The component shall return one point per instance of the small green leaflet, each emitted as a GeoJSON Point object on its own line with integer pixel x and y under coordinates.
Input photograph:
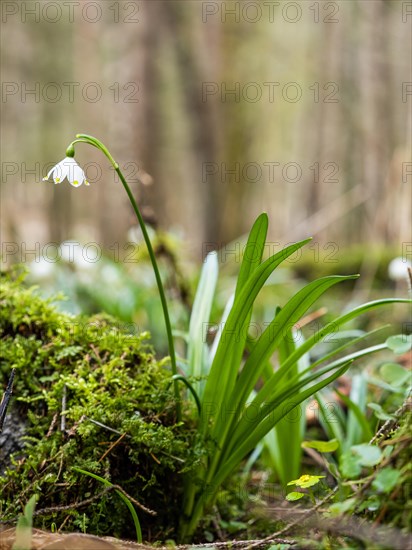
{"type": "Point", "coordinates": [322, 446]}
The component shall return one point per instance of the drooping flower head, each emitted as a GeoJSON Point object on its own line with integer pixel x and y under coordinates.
{"type": "Point", "coordinates": [67, 168]}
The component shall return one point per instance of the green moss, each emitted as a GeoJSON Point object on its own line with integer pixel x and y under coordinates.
{"type": "Point", "coordinates": [107, 376]}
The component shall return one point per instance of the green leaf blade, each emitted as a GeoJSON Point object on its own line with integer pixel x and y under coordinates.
{"type": "Point", "coordinates": [122, 496]}
{"type": "Point", "coordinates": [220, 378]}
{"type": "Point", "coordinates": [200, 315]}
{"type": "Point", "coordinates": [322, 446]}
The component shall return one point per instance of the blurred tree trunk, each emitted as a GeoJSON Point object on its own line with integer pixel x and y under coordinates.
{"type": "Point", "coordinates": [204, 124]}
{"type": "Point", "coordinates": [173, 131]}
{"type": "Point", "coordinates": [376, 131]}
{"type": "Point", "coordinates": [149, 146]}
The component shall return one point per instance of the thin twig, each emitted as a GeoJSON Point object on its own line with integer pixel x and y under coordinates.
{"type": "Point", "coordinates": [216, 523]}
{"type": "Point", "coordinates": [389, 424]}
{"type": "Point", "coordinates": [60, 468]}
{"type": "Point", "coordinates": [232, 544]}
{"type": "Point", "coordinates": [310, 318]}
{"type": "Point", "coordinates": [136, 502]}
{"type": "Point", "coordinates": [52, 509]}
{"type": "Point", "coordinates": [86, 502]}
{"type": "Point", "coordinates": [112, 446]}
{"type": "Point", "coordinates": [104, 426]}
{"type": "Point", "coordinates": [64, 406]}
{"type": "Point", "coordinates": [53, 423]}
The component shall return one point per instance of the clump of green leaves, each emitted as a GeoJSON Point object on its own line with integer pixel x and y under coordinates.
{"type": "Point", "coordinates": [95, 398]}
{"type": "Point", "coordinates": [376, 479]}
{"type": "Point", "coordinates": [235, 417]}
{"type": "Point", "coordinates": [304, 482]}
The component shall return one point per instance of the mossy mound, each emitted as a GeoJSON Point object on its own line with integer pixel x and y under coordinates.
{"type": "Point", "coordinates": [118, 421]}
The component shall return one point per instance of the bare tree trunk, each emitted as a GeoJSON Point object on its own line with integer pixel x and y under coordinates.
{"type": "Point", "coordinates": [375, 126]}
{"type": "Point", "coordinates": [203, 116]}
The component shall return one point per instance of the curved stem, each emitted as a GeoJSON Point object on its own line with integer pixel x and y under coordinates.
{"type": "Point", "coordinates": [159, 286]}
{"type": "Point", "coordinates": [84, 138]}
{"type": "Point", "coordinates": [191, 389]}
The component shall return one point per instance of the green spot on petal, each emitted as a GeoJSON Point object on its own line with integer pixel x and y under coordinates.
{"type": "Point", "coordinates": [57, 180]}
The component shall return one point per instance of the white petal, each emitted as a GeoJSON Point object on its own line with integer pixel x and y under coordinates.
{"type": "Point", "coordinates": [59, 172]}
{"type": "Point", "coordinates": [68, 167]}
{"type": "Point", "coordinates": [49, 174]}
{"type": "Point", "coordinates": [76, 176]}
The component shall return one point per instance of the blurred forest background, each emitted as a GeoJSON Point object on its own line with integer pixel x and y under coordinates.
{"type": "Point", "coordinates": [216, 111]}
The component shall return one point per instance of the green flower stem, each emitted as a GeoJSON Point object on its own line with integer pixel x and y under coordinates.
{"type": "Point", "coordinates": [160, 288]}
{"type": "Point", "coordinates": [83, 138]}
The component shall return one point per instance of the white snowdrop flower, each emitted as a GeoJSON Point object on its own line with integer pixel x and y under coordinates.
{"type": "Point", "coordinates": [67, 168]}
{"type": "Point", "coordinates": [398, 269]}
